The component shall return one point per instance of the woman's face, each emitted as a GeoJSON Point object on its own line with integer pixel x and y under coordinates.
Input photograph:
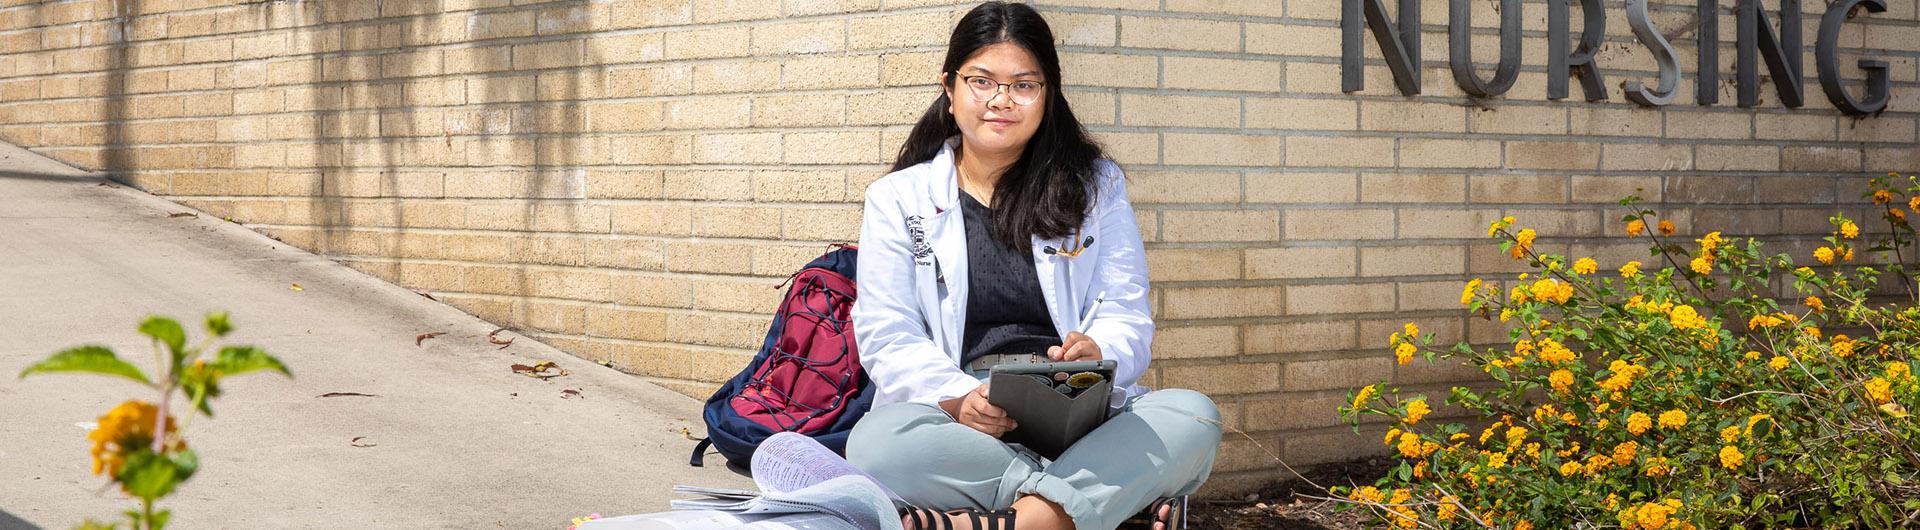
{"type": "Point", "coordinates": [1001, 123]}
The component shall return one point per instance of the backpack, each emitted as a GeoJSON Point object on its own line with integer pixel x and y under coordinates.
{"type": "Point", "coordinates": [807, 376]}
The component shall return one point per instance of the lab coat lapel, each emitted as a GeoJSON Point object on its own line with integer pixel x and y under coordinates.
{"type": "Point", "coordinates": [947, 233]}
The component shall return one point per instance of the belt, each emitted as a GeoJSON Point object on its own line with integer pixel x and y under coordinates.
{"type": "Point", "coordinates": [988, 361]}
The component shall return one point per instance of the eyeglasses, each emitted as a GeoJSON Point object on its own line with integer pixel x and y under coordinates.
{"type": "Point", "coordinates": [1023, 92]}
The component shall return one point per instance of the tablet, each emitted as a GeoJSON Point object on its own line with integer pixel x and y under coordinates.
{"type": "Point", "coordinates": [1054, 404]}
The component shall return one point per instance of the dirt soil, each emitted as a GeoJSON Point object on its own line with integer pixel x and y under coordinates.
{"type": "Point", "coordinates": [1281, 507]}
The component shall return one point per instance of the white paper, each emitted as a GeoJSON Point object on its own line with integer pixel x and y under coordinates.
{"type": "Point", "coordinates": [788, 462]}
{"type": "Point", "coordinates": [715, 520]}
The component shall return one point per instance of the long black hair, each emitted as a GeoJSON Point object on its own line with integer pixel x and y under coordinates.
{"type": "Point", "coordinates": [1046, 192]}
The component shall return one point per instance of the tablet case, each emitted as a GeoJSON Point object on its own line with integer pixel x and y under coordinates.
{"type": "Point", "coordinates": [1050, 421]}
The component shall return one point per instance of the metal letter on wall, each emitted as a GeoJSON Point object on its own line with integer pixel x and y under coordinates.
{"type": "Point", "coordinates": [1826, 53]}
{"type": "Point", "coordinates": [1663, 55]}
{"type": "Point", "coordinates": [1783, 53]}
{"type": "Point", "coordinates": [1706, 90]}
{"type": "Point", "coordinates": [1401, 48]}
{"type": "Point", "coordinates": [1460, 37]}
{"type": "Point", "coordinates": [1593, 29]}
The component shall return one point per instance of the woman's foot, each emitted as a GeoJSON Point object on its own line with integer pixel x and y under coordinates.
{"type": "Point", "coordinates": [929, 519]}
{"type": "Point", "coordinates": [1162, 520]}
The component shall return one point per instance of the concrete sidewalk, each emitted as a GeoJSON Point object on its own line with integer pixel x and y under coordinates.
{"type": "Point", "coordinates": [456, 440]}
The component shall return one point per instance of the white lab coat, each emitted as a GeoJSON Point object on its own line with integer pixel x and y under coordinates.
{"type": "Point", "coordinates": [910, 312]}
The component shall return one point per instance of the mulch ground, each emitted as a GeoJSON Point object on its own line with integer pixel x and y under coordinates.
{"type": "Point", "coordinates": [1282, 507]}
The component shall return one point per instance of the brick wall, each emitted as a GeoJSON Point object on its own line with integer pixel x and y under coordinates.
{"type": "Point", "coordinates": [628, 180]}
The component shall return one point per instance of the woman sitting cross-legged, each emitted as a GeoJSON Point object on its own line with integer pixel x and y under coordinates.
{"type": "Point", "coordinates": [1001, 234]}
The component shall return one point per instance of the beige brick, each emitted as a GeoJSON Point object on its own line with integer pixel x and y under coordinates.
{"type": "Point", "coordinates": [1605, 121]}
{"type": "Point", "coordinates": [710, 112]}
{"type": "Point", "coordinates": [1301, 187]}
{"type": "Point", "coordinates": [1083, 29]}
{"type": "Point", "coordinates": [1293, 40]}
{"type": "Point", "coordinates": [899, 31]}
{"type": "Point", "coordinates": [1441, 153]}
{"type": "Point", "coordinates": [1222, 149]}
{"type": "Point", "coordinates": [1221, 74]}
{"type": "Point", "coordinates": [1647, 157]}
{"type": "Point", "coordinates": [1412, 116]}
{"type": "Point", "coordinates": [799, 186]}
{"type": "Point", "coordinates": [1179, 34]}
{"type": "Point", "coordinates": [736, 222]}
{"type": "Point", "coordinates": [1093, 69]}
{"type": "Point", "coordinates": [1294, 412]}
{"type": "Point", "coordinates": [651, 81]}
{"type": "Point", "coordinates": [650, 13]}
{"type": "Point", "coordinates": [923, 68]}
{"type": "Point", "coordinates": [1797, 127]}
{"type": "Point", "coordinates": [844, 147]}
{"type": "Point", "coordinates": [1815, 158]}
{"type": "Point", "coordinates": [1255, 8]}
{"type": "Point", "coordinates": [1339, 298]}
{"type": "Point", "coordinates": [708, 43]}
{"type": "Point", "coordinates": [1220, 225]}
{"type": "Point", "coordinates": [745, 148]}
{"type": "Point", "coordinates": [1325, 151]}
{"type": "Point", "coordinates": [1412, 260]}
{"type": "Point", "coordinates": [1498, 189]}
{"type": "Point", "coordinates": [1171, 187]}
{"type": "Point", "coordinates": [805, 110]}
{"type": "Point", "coordinates": [1298, 337]}
{"type": "Point", "coordinates": [1612, 188]}
{"type": "Point", "coordinates": [1518, 119]}
{"type": "Point", "coordinates": [652, 291]}
{"type": "Point", "coordinates": [1337, 373]}
{"type": "Point", "coordinates": [1221, 302]}
{"type": "Point", "coordinates": [730, 10]}
{"type": "Point", "coordinates": [1728, 125]}
{"type": "Point", "coordinates": [709, 185]}
{"type": "Point", "coordinates": [1301, 114]}
{"type": "Point", "coordinates": [1219, 379]}
{"type": "Point", "coordinates": [657, 220]}
{"type": "Point", "coordinates": [1553, 155]}
{"type": "Point", "coordinates": [1187, 342]}
{"type": "Point", "coordinates": [1300, 262]}
{"type": "Point", "coordinates": [800, 37]}
{"type": "Point", "coordinates": [1179, 111]}
{"type": "Point", "coordinates": [1305, 224]}
{"type": "Point", "coordinates": [830, 72]}
{"type": "Point", "coordinates": [718, 258]}
{"type": "Point", "coordinates": [1193, 264]}
{"type": "Point", "coordinates": [1412, 187]}
{"type": "Point", "coordinates": [1736, 157]}
{"type": "Point", "coordinates": [838, 224]}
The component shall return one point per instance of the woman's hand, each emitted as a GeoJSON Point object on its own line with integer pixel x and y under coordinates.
{"type": "Point", "coordinates": [974, 411]}
{"type": "Point", "coordinates": [1077, 347]}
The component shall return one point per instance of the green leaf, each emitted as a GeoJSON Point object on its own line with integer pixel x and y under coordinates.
{"type": "Point", "coordinates": [165, 330]}
{"type": "Point", "coordinates": [218, 324]}
{"type": "Point", "coordinates": [160, 519]}
{"type": "Point", "coordinates": [151, 476]}
{"type": "Point", "coordinates": [236, 360]}
{"type": "Point", "coordinates": [95, 359]}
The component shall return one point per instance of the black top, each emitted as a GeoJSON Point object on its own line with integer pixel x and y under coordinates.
{"type": "Point", "coordinates": [1006, 313]}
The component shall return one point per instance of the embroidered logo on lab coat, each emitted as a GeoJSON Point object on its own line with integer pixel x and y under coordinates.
{"type": "Point", "coordinates": [919, 237]}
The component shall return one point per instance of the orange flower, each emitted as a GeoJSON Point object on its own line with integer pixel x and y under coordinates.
{"type": "Point", "coordinates": [1666, 228]}
{"type": "Point", "coordinates": [1636, 227]}
{"type": "Point", "coordinates": [122, 430]}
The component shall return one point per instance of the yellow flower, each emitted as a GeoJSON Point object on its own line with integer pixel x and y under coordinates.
{"type": "Point", "coordinates": [1673, 419]}
{"type": "Point", "coordinates": [1585, 266]}
{"type": "Point", "coordinates": [1623, 453]}
{"type": "Point", "coordinates": [1393, 435]}
{"type": "Point", "coordinates": [1764, 321]}
{"type": "Point", "coordinates": [1848, 256]}
{"type": "Point", "coordinates": [1552, 352]}
{"type": "Point", "coordinates": [1879, 390]}
{"type": "Point", "coordinates": [122, 430]}
{"type": "Point", "coordinates": [1631, 269]}
{"type": "Point", "coordinates": [1730, 457]}
{"type": "Point", "coordinates": [1779, 362]}
{"type": "Point", "coordinates": [1404, 352]}
{"type": "Point", "coordinates": [1813, 302]}
{"type": "Point", "coordinates": [1666, 228]}
{"type": "Point", "coordinates": [1569, 469]}
{"type": "Point", "coordinates": [1417, 409]}
{"type": "Point", "coordinates": [1882, 197]}
{"type": "Point", "coordinates": [1842, 346]}
{"type": "Point", "coordinates": [1413, 331]}
{"type": "Point", "coordinates": [1523, 242]}
{"type": "Point", "coordinates": [1684, 317]}
{"type": "Point", "coordinates": [1849, 230]}
{"type": "Point", "coordinates": [1366, 393]}
{"type": "Point", "coordinates": [1914, 203]}
{"type": "Point", "coordinates": [1523, 525]}
{"type": "Point", "coordinates": [1898, 371]}
{"type": "Point", "coordinates": [1824, 254]}
{"type": "Point", "coordinates": [1729, 434]}
{"type": "Point", "coordinates": [1497, 225]}
{"type": "Point", "coordinates": [1409, 445]}
{"type": "Point", "coordinates": [1561, 379]}
{"type": "Point", "coordinates": [1657, 466]}
{"type": "Point", "coordinates": [1366, 494]}
{"type": "Point", "coordinates": [1466, 295]}
{"type": "Point", "coordinates": [1702, 265]}
{"type": "Point", "coordinates": [1638, 423]}
{"type": "Point", "coordinates": [1636, 227]}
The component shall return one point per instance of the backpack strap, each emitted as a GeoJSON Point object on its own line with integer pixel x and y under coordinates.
{"type": "Point", "coordinates": [700, 452]}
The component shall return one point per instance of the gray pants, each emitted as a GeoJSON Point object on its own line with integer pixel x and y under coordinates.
{"type": "Point", "coordinates": [1153, 447]}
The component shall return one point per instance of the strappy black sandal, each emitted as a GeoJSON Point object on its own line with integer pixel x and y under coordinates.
{"type": "Point", "coordinates": [930, 519]}
{"type": "Point", "coordinates": [1176, 516]}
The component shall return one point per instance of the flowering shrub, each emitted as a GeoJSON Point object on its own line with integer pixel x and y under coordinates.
{"type": "Point", "coordinates": [1713, 386]}
{"type": "Point", "coordinates": [138, 444]}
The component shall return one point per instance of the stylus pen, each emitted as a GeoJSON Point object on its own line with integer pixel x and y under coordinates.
{"type": "Point", "coordinates": [1088, 319]}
